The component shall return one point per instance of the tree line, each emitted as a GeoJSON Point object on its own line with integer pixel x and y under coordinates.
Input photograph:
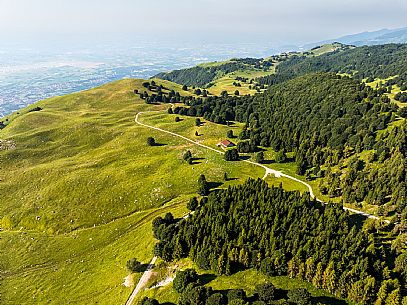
{"type": "Point", "coordinates": [286, 233]}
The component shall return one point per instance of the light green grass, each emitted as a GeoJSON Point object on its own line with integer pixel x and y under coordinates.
{"type": "Point", "coordinates": [225, 83]}
{"type": "Point", "coordinates": [83, 161]}
{"type": "Point", "coordinates": [86, 266]}
{"type": "Point", "coordinates": [74, 190]}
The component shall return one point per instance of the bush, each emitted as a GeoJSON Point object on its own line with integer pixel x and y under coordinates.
{"type": "Point", "coordinates": [187, 155]}
{"type": "Point", "coordinates": [148, 301]}
{"type": "Point", "coordinates": [299, 296]}
{"type": "Point", "coordinates": [177, 119]}
{"type": "Point", "coordinates": [203, 186]}
{"type": "Point", "coordinates": [133, 265]}
{"type": "Point", "coordinates": [150, 141]}
{"type": "Point", "coordinates": [184, 278]}
{"type": "Point", "coordinates": [192, 204]}
{"type": "Point", "coordinates": [234, 294]}
{"type": "Point", "coordinates": [231, 155]}
{"type": "Point", "coordinates": [281, 157]}
{"type": "Point", "coordinates": [265, 292]}
{"type": "Point", "coordinates": [260, 157]}
{"type": "Point", "coordinates": [216, 299]}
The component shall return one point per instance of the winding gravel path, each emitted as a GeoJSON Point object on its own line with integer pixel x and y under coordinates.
{"type": "Point", "coordinates": [269, 171]}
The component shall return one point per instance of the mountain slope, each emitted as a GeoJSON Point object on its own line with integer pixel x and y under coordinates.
{"type": "Point", "coordinates": [383, 36]}
{"type": "Point", "coordinates": [238, 74]}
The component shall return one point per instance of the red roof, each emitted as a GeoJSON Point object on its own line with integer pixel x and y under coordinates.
{"type": "Point", "coordinates": [226, 143]}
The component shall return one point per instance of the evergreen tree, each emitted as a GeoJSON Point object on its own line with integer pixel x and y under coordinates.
{"type": "Point", "coordinates": [203, 186]}
{"type": "Point", "coordinates": [151, 141]}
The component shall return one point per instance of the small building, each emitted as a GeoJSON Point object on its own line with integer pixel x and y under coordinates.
{"type": "Point", "coordinates": [225, 144]}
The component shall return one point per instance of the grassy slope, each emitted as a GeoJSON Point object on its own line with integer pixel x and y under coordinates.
{"type": "Point", "coordinates": [83, 161]}
{"type": "Point", "coordinates": [86, 266]}
{"type": "Point", "coordinates": [210, 134]}
{"type": "Point", "coordinates": [83, 167]}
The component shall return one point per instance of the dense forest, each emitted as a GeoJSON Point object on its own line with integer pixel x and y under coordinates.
{"type": "Point", "coordinates": [286, 233]}
{"type": "Point", "coordinates": [382, 61]}
{"type": "Point", "coordinates": [329, 122]}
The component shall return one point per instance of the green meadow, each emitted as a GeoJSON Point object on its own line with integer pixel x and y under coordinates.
{"type": "Point", "coordinates": [80, 189]}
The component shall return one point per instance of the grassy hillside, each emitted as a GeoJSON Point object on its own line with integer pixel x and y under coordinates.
{"type": "Point", "coordinates": [87, 266]}
{"type": "Point", "coordinates": [83, 161]}
{"type": "Point", "coordinates": [80, 187]}
{"type": "Point", "coordinates": [227, 75]}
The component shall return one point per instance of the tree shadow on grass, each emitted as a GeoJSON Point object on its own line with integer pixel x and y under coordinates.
{"type": "Point", "coordinates": [214, 185]}
{"type": "Point", "coordinates": [268, 162]}
{"type": "Point", "coordinates": [142, 267]}
{"type": "Point", "coordinates": [167, 303]}
{"type": "Point", "coordinates": [328, 300]}
{"type": "Point", "coordinates": [232, 179]}
{"type": "Point", "coordinates": [244, 157]}
{"type": "Point", "coordinates": [206, 278]}
{"type": "Point", "coordinates": [160, 144]}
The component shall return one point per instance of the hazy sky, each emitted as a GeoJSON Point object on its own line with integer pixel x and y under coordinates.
{"type": "Point", "coordinates": [278, 22]}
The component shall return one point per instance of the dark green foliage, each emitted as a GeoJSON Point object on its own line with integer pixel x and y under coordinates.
{"type": "Point", "coordinates": [325, 119]}
{"type": "Point", "coordinates": [150, 141]}
{"type": "Point", "coordinates": [198, 91]}
{"type": "Point", "coordinates": [225, 177]}
{"type": "Point", "coordinates": [380, 61]}
{"type": "Point", "coordinates": [133, 265]}
{"type": "Point", "coordinates": [246, 146]}
{"type": "Point", "coordinates": [185, 88]}
{"type": "Point", "coordinates": [216, 299]}
{"type": "Point", "coordinates": [187, 155]}
{"type": "Point", "coordinates": [299, 296]}
{"type": "Point", "coordinates": [177, 119]}
{"type": "Point", "coordinates": [231, 155]}
{"type": "Point", "coordinates": [265, 292]}
{"type": "Point", "coordinates": [234, 294]}
{"type": "Point", "coordinates": [237, 93]}
{"type": "Point", "coordinates": [148, 301]}
{"type": "Point", "coordinates": [253, 225]}
{"type": "Point", "coordinates": [203, 186]}
{"type": "Point", "coordinates": [260, 157]}
{"type": "Point", "coordinates": [200, 76]}
{"type": "Point", "coordinates": [229, 134]}
{"type": "Point", "coordinates": [184, 278]}
{"type": "Point", "coordinates": [401, 97]}
{"type": "Point", "coordinates": [281, 156]}
{"type": "Point", "coordinates": [192, 204]}
{"type": "Point", "coordinates": [170, 110]}
{"type": "Point", "coordinates": [198, 122]}
{"type": "Point", "coordinates": [194, 295]}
